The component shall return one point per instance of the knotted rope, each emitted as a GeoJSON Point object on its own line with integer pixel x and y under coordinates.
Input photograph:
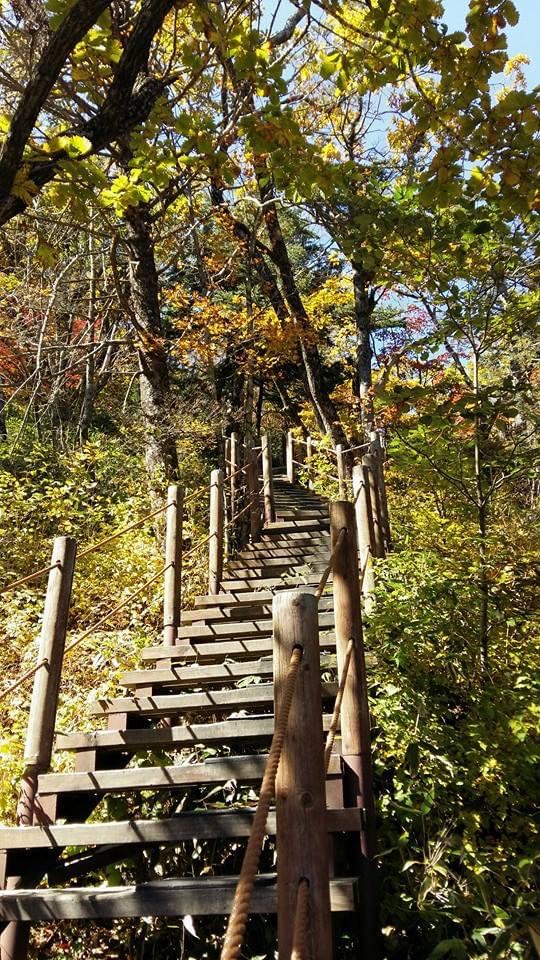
{"type": "Point", "coordinates": [240, 909]}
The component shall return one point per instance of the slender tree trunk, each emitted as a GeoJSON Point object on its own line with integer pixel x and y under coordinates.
{"type": "Point", "coordinates": [483, 581]}
{"type": "Point", "coordinates": [324, 407]}
{"type": "Point", "coordinates": [87, 407]}
{"type": "Point", "coordinates": [156, 403]}
{"type": "Point", "coordinates": [364, 305]}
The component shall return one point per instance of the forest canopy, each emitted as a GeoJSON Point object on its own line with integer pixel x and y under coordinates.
{"type": "Point", "coordinates": [228, 216]}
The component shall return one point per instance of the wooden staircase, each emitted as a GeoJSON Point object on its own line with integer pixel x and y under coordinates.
{"type": "Point", "coordinates": [209, 693]}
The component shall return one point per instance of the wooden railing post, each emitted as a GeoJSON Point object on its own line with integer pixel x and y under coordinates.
{"type": "Point", "coordinates": [309, 455]}
{"type": "Point", "coordinates": [355, 719]}
{"type": "Point", "coordinates": [42, 718]}
{"type": "Point", "coordinates": [234, 476]}
{"type": "Point", "coordinates": [369, 461]}
{"type": "Point", "coordinates": [364, 525]}
{"type": "Point", "coordinates": [268, 484]}
{"type": "Point", "coordinates": [255, 519]}
{"type": "Point", "coordinates": [341, 472]}
{"type": "Point", "coordinates": [215, 546]}
{"type": "Point", "coordinates": [302, 845]}
{"type": "Point", "coordinates": [289, 455]}
{"type": "Point", "coordinates": [172, 587]}
{"type": "Point", "coordinates": [377, 452]}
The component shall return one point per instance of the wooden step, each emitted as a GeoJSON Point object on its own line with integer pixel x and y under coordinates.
{"type": "Point", "coordinates": [236, 629]}
{"type": "Point", "coordinates": [243, 610]}
{"type": "Point", "coordinates": [215, 651]}
{"type": "Point", "coordinates": [301, 513]}
{"type": "Point", "coordinates": [293, 551]}
{"type": "Point", "coordinates": [296, 526]}
{"type": "Point", "coordinates": [256, 696]}
{"type": "Point", "coordinates": [293, 540]}
{"type": "Point", "coordinates": [284, 563]}
{"type": "Point", "coordinates": [223, 732]}
{"type": "Point", "coordinates": [193, 676]}
{"type": "Point", "coordinates": [204, 825]}
{"type": "Point", "coordinates": [160, 898]}
{"type": "Point", "coordinates": [243, 770]}
{"type": "Point", "coordinates": [288, 583]}
{"type": "Point", "coordinates": [241, 597]}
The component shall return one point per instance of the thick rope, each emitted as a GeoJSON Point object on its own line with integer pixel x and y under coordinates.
{"type": "Point", "coordinates": [328, 568]}
{"type": "Point", "coordinates": [237, 516]}
{"type": "Point", "coordinates": [238, 470]}
{"type": "Point", "coordinates": [119, 606]}
{"type": "Point", "coordinates": [43, 663]}
{"type": "Point", "coordinates": [119, 533]}
{"type": "Point", "coordinates": [334, 723]}
{"type": "Point", "coordinates": [240, 909]}
{"type": "Point", "coordinates": [31, 576]}
{"type": "Point", "coordinates": [197, 546]}
{"type": "Point", "coordinates": [300, 947]}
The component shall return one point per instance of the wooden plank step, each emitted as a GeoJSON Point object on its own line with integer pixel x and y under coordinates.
{"type": "Point", "coordinates": [268, 563]}
{"type": "Point", "coordinates": [299, 526]}
{"type": "Point", "coordinates": [223, 732]}
{"type": "Point", "coordinates": [293, 539]}
{"type": "Point", "coordinates": [233, 598]}
{"type": "Point", "coordinates": [284, 570]}
{"type": "Point", "coordinates": [244, 770]}
{"type": "Point", "coordinates": [288, 583]}
{"type": "Point", "coordinates": [193, 676]}
{"type": "Point", "coordinates": [218, 651]}
{"type": "Point", "coordinates": [302, 513]}
{"type": "Point", "coordinates": [293, 549]}
{"type": "Point", "coordinates": [237, 629]}
{"type": "Point", "coordinates": [203, 825]}
{"type": "Point", "coordinates": [255, 696]}
{"type": "Point", "coordinates": [283, 553]}
{"type": "Point", "coordinates": [209, 896]}
{"type": "Point", "coordinates": [242, 610]}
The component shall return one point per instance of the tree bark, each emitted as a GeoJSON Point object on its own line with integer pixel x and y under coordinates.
{"type": "Point", "coordinates": [324, 407]}
{"type": "Point", "coordinates": [364, 304]}
{"type": "Point", "coordinates": [156, 405]}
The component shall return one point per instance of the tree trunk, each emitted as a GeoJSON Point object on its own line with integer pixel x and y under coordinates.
{"type": "Point", "coordinates": [364, 305]}
{"type": "Point", "coordinates": [324, 407]}
{"type": "Point", "coordinates": [482, 508]}
{"type": "Point", "coordinates": [156, 404]}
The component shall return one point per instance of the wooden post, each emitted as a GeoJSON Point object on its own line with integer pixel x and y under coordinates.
{"type": "Point", "coordinates": [309, 454]}
{"type": "Point", "coordinates": [377, 451]}
{"type": "Point", "coordinates": [255, 519]}
{"type": "Point", "coordinates": [234, 477]}
{"type": "Point", "coordinates": [289, 452]}
{"type": "Point", "coordinates": [355, 719]}
{"type": "Point", "coordinates": [341, 471]}
{"type": "Point", "coordinates": [302, 844]}
{"type": "Point", "coordinates": [172, 587]}
{"type": "Point", "coordinates": [364, 526]}
{"type": "Point", "coordinates": [215, 546]}
{"type": "Point", "coordinates": [268, 484]}
{"type": "Point", "coordinates": [369, 461]}
{"type": "Point", "coordinates": [42, 718]}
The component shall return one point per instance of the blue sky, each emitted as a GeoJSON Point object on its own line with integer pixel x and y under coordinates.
{"type": "Point", "coordinates": [523, 38]}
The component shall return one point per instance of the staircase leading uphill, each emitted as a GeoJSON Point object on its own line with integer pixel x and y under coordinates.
{"type": "Point", "coordinates": [209, 695]}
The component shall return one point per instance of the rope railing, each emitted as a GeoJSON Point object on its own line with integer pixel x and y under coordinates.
{"type": "Point", "coordinates": [237, 516]}
{"type": "Point", "coordinates": [329, 565]}
{"type": "Point", "coordinates": [100, 543]}
{"type": "Point", "coordinates": [236, 925]}
{"type": "Point", "coordinates": [334, 723]}
{"type": "Point", "coordinates": [300, 949]}
{"type": "Point", "coordinates": [28, 577]}
{"type": "Point", "coordinates": [44, 662]}
{"type": "Point", "coordinates": [122, 531]}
